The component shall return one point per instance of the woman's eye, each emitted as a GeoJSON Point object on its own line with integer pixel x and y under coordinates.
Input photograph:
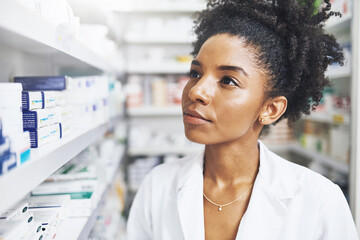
{"type": "Point", "coordinates": [228, 81]}
{"type": "Point", "coordinates": [194, 74]}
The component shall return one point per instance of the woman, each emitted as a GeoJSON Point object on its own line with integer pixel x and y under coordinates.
{"type": "Point", "coordinates": [256, 62]}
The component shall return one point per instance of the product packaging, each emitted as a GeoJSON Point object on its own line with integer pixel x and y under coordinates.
{"type": "Point", "coordinates": [14, 213]}
{"type": "Point", "coordinates": [38, 118]}
{"type": "Point", "coordinates": [43, 83]}
{"type": "Point", "coordinates": [32, 100]}
{"type": "Point", "coordinates": [44, 135]}
{"type": "Point", "coordinates": [16, 229]}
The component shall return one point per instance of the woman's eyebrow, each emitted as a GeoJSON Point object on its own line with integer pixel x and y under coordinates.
{"type": "Point", "coordinates": [233, 68]}
{"type": "Point", "coordinates": [196, 62]}
{"type": "Point", "coordinates": [224, 67]}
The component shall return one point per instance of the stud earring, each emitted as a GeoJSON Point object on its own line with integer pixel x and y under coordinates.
{"type": "Point", "coordinates": [262, 120]}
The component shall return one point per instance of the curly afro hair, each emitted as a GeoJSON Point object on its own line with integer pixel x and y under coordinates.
{"type": "Point", "coordinates": [289, 40]}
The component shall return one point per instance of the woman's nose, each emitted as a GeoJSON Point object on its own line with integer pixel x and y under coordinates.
{"type": "Point", "coordinates": [200, 92]}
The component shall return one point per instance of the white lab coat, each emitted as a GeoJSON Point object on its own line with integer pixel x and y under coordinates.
{"type": "Point", "coordinates": [288, 202]}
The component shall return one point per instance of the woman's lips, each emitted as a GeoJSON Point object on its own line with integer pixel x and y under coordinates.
{"type": "Point", "coordinates": [194, 117]}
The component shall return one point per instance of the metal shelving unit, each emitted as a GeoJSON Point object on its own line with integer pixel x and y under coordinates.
{"type": "Point", "coordinates": [26, 33]}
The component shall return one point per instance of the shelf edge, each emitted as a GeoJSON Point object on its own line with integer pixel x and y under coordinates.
{"type": "Point", "coordinates": [37, 170]}
{"type": "Point", "coordinates": [322, 159]}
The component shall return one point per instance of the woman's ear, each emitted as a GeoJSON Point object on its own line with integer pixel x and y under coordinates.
{"type": "Point", "coordinates": [273, 109]}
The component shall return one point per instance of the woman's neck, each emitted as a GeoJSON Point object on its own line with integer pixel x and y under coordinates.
{"type": "Point", "coordinates": [231, 163]}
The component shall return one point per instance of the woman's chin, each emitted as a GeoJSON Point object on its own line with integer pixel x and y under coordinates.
{"type": "Point", "coordinates": [197, 138]}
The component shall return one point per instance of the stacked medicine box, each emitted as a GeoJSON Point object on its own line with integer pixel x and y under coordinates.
{"type": "Point", "coordinates": [53, 106]}
{"type": "Point", "coordinates": [41, 108]}
{"type": "Point", "coordinates": [88, 96]}
{"type": "Point", "coordinates": [33, 218]}
{"type": "Point", "coordinates": [14, 142]}
{"type": "Point", "coordinates": [18, 223]}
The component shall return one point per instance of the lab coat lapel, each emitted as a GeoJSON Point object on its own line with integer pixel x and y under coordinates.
{"type": "Point", "coordinates": [264, 216]}
{"type": "Point", "coordinates": [273, 191]}
{"type": "Point", "coordinates": [190, 199]}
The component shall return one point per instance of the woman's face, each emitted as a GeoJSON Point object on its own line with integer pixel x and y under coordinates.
{"type": "Point", "coordinates": [223, 98]}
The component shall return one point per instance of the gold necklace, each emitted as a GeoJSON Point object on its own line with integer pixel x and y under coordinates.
{"type": "Point", "coordinates": [227, 204]}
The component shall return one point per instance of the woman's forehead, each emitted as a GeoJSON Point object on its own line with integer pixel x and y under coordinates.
{"type": "Point", "coordinates": [226, 49]}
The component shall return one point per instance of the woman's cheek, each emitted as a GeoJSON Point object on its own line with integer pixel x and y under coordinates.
{"type": "Point", "coordinates": [185, 93]}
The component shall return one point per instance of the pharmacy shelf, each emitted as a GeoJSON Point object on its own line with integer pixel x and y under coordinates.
{"type": "Point", "coordinates": [328, 161]}
{"type": "Point", "coordinates": [154, 111]}
{"type": "Point", "coordinates": [155, 151]}
{"type": "Point", "coordinates": [333, 74]}
{"type": "Point", "coordinates": [278, 148]}
{"type": "Point", "coordinates": [161, 8]}
{"type": "Point", "coordinates": [34, 34]}
{"type": "Point", "coordinates": [79, 228]}
{"type": "Point", "coordinates": [71, 228]}
{"type": "Point", "coordinates": [336, 24]}
{"type": "Point", "coordinates": [44, 161]}
{"type": "Point", "coordinates": [114, 166]}
{"type": "Point", "coordinates": [342, 119]}
{"type": "Point", "coordinates": [158, 68]}
{"type": "Point", "coordinates": [89, 224]}
{"type": "Point", "coordinates": [138, 39]}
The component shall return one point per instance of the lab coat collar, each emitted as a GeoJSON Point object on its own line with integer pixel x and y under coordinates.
{"type": "Point", "coordinates": [273, 190]}
{"type": "Point", "coordinates": [276, 175]}
{"type": "Point", "coordinates": [190, 198]}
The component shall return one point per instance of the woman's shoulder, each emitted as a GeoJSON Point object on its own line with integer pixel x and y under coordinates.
{"type": "Point", "coordinates": [309, 198]}
{"type": "Point", "coordinates": [307, 180]}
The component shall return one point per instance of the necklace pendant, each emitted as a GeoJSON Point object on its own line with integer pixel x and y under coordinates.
{"type": "Point", "coordinates": [220, 208]}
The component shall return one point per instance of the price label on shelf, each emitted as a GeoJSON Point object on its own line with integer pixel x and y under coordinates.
{"type": "Point", "coordinates": [338, 118]}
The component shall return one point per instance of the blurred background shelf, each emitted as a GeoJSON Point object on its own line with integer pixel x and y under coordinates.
{"type": "Point", "coordinates": [156, 151]}
{"type": "Point", "coordinates": [158, 68]}
{"type": "Point", "coordinates": [337, 24]}
{"type": "Point", "coordinates": [339, 74]}
{"type": "Point", "coordinates": [328, 161]}
{"type": "Point", "coordinates": [343, 119]}
{"type": "Point", "coordinates": [138, 39]}
{"type": "Point", "coordinates": [154, 111]}
{"type": "Point", "coordinates": [161, 8]}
